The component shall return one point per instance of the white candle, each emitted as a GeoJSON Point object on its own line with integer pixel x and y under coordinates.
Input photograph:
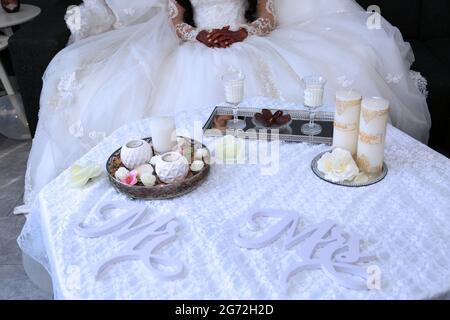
{"type": "Point", "coordinates": [372, 134]}
{"type": "Point", "coordinates": [163, 134]}
{"type": "Point", "coordinates": [346, 120]}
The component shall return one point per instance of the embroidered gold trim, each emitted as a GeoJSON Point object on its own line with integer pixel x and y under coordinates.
{"type": "Point", "coordinates": [364, 165]}
{"type": "Point", "coordinates": [343, 106]}
{"type": "Point", "coordinates": [369, 115]}
{"type": "Point", "coordinates": [345, 126]}
{"type": "Point", "coordinates": [370, 138]}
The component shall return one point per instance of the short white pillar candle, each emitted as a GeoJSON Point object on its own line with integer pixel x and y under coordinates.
{"type": "Point", "coordinates": [163, 134]}
{"type": "Point", "coordinates": [346, 120]}
{"type": "Point", "coordinates": [372, 134]}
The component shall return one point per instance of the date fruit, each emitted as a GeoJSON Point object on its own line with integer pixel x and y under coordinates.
{"type": "Point", "coordinates": [267, 119]}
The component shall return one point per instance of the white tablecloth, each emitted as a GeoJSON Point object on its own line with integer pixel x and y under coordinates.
{"type": "Point", "coordinates": [406, 217]}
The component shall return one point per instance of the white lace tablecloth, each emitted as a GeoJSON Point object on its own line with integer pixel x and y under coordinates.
{"type": "Point", "coordinates": [406, 216]}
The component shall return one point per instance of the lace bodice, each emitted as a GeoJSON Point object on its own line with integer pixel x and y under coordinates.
{"type": "Point", "coordinates": [210, 14]}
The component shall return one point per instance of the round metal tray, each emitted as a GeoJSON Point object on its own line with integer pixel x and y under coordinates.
{"type": "Point", "coordinates": [161, 190]}
{"type": "Point", "coordinates": [373, 179]}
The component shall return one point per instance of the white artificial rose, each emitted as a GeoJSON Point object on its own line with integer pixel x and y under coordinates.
{"type": "Point", "coordinates": [121, 173]}
{"type": "Point", "coordinates": [338, 166]}
{"type": "Point", "coordinates": [80, 175]}
{"type": "Point", "coordinates": [149, 180]}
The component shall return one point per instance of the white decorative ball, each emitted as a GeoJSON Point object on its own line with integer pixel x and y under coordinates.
{"type": "Point", "coordinates": [149, 180]}
{"type": "Point", "coordinates": [155, 160]}
{"type": "Point", "coordinates": [145, 169]}
{"type": "Point", "coordinates": [121, 173]}
{"type": "Point", "coordinates": [135, 153]}
{"type": "Point", "coordinates": [197, 166]}
{"type": "Point", "coordinates": [172, 167]}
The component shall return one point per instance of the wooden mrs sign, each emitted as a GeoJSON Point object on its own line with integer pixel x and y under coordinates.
{"type": "Point", "coordinates": [323, 246]}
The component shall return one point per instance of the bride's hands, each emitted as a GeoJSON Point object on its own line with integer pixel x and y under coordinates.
{"type": "Point", "coordinates": [221, 38]}
{"type": "Point", "coordinates": [203, 37]}
{"type": "Point", "coordinates": [224, 38]}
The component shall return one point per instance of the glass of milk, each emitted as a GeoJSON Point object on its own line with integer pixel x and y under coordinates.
{"type": "Point", "coordinates": [314, 90]}
{"type": "Point", "coordinates": [234, 94]}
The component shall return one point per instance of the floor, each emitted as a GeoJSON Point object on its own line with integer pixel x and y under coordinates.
{"type": "Point", "coordinates": [14, 283]}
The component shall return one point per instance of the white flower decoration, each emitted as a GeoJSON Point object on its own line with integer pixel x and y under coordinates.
{"type": "Point", "coordinates": [76, 129]}
{"type": "Point", "coordinates": [121, 173]}
{"type": "Point", "coordinates": [338, 166]}
{"type": "Point", "coordinates": [149, 180]}
{"type": "Point", "coordinates": [197, 165]}
{"type": "Point", "coordinates": [80, 175]}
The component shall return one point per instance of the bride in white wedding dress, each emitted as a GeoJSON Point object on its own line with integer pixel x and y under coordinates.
{"type": "Point", "coordinates": [162, 62]}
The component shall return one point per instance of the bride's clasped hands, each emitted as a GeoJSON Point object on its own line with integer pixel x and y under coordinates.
{"type": "Point", "coordinates": [222, 38]}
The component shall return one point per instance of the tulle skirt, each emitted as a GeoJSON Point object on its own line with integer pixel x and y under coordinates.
{"type": "Point", "coordinates": [98, 84]}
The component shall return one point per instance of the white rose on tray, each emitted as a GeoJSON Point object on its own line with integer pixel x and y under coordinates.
{"type": "Point", "coordinates": [338, 166]}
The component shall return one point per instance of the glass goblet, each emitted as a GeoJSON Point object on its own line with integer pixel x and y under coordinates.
{"type": "Point", "coordinates": [314, 91]}
{"type": "Point", "coordinates": [234, 94]}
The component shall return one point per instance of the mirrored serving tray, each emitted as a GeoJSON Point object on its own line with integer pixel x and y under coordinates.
{"type": "Point", "coordinates": [216, 126]}
{"type": "Point", "coordinates": [372, 179]}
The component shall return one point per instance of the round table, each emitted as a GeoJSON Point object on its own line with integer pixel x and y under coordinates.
{"type": "Point", "coordinates": [404, 219]}
{"type": "Point", "coordinates": [13, 122]}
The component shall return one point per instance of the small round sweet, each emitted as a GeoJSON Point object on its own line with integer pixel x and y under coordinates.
{"type": "Point", "coordinates": [201, 154]}
{"type": "Point", "coordinates": [145, 169]}
{"type": "Point", "coordinates": [197, 166]}
{"type": "Point", "coordinates": [121, 173]}
{"type": "Point", "coordinates": [154, 160]}
{"type": "Point", "coordinates": [149, 180]}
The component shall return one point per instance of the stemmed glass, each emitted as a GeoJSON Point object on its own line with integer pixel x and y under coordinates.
{"type": "Point", "coordinates": [234, 94]}
{"type": "Point", "coordinates": [314, 91]}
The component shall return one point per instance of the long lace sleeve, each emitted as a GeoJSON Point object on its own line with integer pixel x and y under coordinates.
{"type": "Point", "coordinates": [184, 31]}
{"type": "Point", "coordinates": [266, 21]}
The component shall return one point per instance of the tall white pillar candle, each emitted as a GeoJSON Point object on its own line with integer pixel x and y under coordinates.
{"type": "Point", "coordinates": [346, 120]}
{"type": "Point", "coordinates": [163, 134]}
{"type": "Point", "coordinates": [372, 134]}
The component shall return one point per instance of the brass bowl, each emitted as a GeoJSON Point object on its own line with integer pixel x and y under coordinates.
{"type": "Point", "coordinates": [161, 190]}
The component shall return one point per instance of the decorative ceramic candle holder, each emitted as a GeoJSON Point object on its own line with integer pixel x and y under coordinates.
{"type": "Point", "coordinates": [372, 135]}
{"type": "Point", "coordinates": [346, 120]}
{"type": "Point", "coordinates": [172, 167]}
{"type": "Point", "coordinates": [136, 153]}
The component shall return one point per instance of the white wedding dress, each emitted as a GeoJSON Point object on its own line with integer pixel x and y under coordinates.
{"type": "Point", "coordinates": [142, 69]}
